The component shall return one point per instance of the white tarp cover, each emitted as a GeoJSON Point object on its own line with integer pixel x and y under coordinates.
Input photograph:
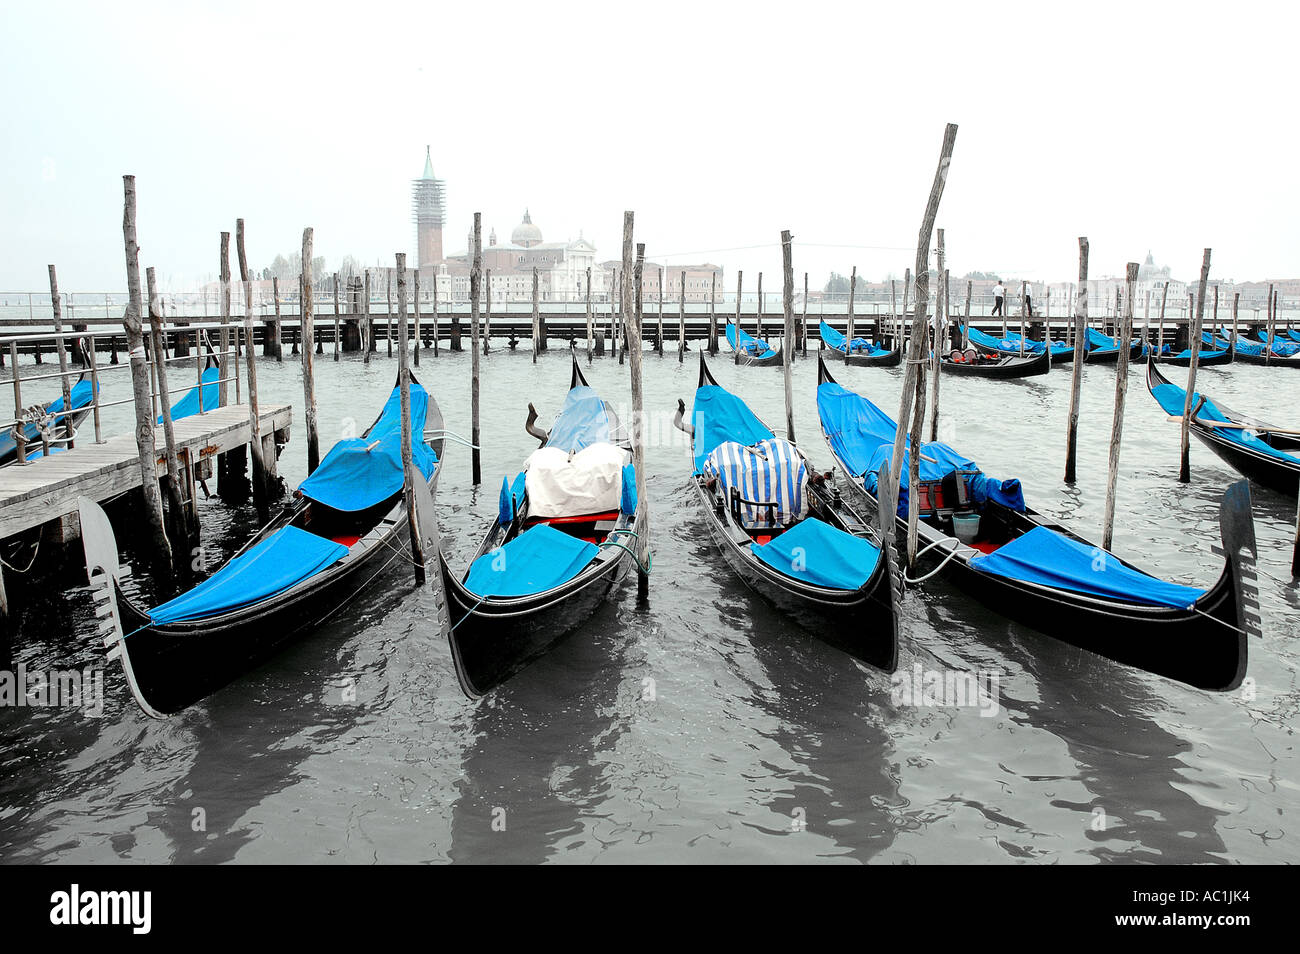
{"type": "Point", "coordinates": [564, 485]}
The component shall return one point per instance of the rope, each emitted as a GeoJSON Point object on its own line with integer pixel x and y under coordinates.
{"type": "Point", "coordinates": [942, 563]}
{"type": "Point", "coordinates": [468, 613]}
{"type": "Point", "coordinates": [35, 550]}
{"type": "Point", "coordinates": [1235, 629]}
{"type": "Point", "coordinates": [649, 563]}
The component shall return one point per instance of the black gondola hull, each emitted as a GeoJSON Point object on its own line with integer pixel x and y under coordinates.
{"type": "Point", "coordinates": [1008, 366]}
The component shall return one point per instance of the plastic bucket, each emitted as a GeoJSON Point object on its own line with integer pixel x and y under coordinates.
{"type": "Point", "coordinates": [966, 526]}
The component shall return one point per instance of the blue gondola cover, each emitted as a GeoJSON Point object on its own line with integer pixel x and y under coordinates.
{"type": "Point", "coordinates": [718, 416]}
{"type": "Point", "coordinates": [861, 346]}
{"type": "Point", "coordinates": [281, 561]}
{"type": "Point", "coordinates": [189, 404]}
{"type": "Point", "coordinates": [582, 421]}
{"type": "Point", "coordinates": [1052, 559]}
{"type": "Point", "coordinates": [817, 553]}
{"type": "Point", "coordinates": [862, 436]}
{"type": "Point", "coordinates": [749, 345]}
{"type": "Point", "coordinates": [539, 559]}
{"type": "Point", "coordinates": [1172, 398]}
{"type": "Point", "coordinates": [354, 475]}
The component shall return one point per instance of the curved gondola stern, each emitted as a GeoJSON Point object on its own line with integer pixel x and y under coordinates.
{"type": "Point", "coordinates": [104, 572]}
{"type": "Point", "coordinates": [1237, 534]}
{"type": "Point", "coordinates": [576, 380]}
{"type": "Point", "coordinates": [823, 373]}
{"type": "Point", "coordinates": [706, 376]}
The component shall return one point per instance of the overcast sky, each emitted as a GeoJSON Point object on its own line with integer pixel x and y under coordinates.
{"type": "Point", "coordinates": [1156, 126]}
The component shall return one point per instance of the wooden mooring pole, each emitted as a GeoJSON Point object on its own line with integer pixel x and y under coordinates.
{"type": "Point", "coordinates": [1125, 332]}
{"type": "Point", "coordinates": [408, 463]}
{"type": "Point", "coordinates": [366, 329]}
{"type": "Point", "coordinates": [803, 319]}
{"type": "Point", "coordinates": [177, 486]}
{"type": "Point", "coordinates": [65, 382]}
{"type": "Point", "coordinates": [308, 351]}
{"type": "Point", "coordinates": [713, 314]}
{"type": "Point", "coordinates": [1189, 406]}
{"type": "Point", "coordinates": [144, 426]}
{"type": "Point", "coordinates": [537, 321]}
{"type": "Point", "coordinates": [1076, 370]}
{"type": "Point", "coordinates": [681, 319]}
{"type": "Point", "coordinates": [937, 344]}
{"type": "Point", "coordinates": [853, 288]}
{"type": "Point", "coordinates": [338, 324]}
{"type": "Point", "coordinates": [740, 284]}
{"type": "Point", "coordinates": [474, 282]}
{"type": "Point", "coordinates": [787, 304]}
{"type": "Point", "coordinates": [260, 488]}
{"type": "Point", "coordinates": [914, 377]}
{"type": "Point", "coordinates": [591, 329]}
{"type": "Point", "coordinates": [632, 309]}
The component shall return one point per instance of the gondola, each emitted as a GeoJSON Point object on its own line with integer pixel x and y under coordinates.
{"type": "Point", "coordinates": [81, 394]}
{"type": "Point", "coordinates": [785, 530]}
{"type": "Point", "coordinates": [1010, 343]}
{"type": "Point", "coordinates": [1256, 450]}
{"type": "Point", "coordinates": [1284, 354]}
{"type": "Point", "coordinates": [1038, 573]}
{"type": "Point", "coordinates": [345, 526]}
{"type": "Point", "coordinates": [753, 352]}
{"type": "Point", "coordinates": [863, 353]}
{"type": "Point", "coordinates": [1105, 350]}
{"type": "Point", "coordinates": [563, 539]}
{"type": "Point", "coordinates": [1215, 358]}
{"type": "Point", "coordinates": [974, 362]}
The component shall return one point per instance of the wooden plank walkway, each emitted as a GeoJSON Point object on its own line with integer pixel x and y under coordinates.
{"type": "Point", "coordinates": [48, 488]}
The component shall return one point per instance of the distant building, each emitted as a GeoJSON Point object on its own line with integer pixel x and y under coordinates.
{"type": "Point", "coordinates": [428, 209]}
{"type": "Point", "coordinates": [561, 267]}
{"type": "Point", "coordinates": [699, 281]}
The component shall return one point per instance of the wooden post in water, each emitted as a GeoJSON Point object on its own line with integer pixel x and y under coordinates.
{"type": "Point", "coordinates": [366, 330]}
{"type": "Point", "coordinates": [175, 484]}
{"type": "Point", "coordinates": [1023, 291]}
{"type": "Point", "coordinates": [408, 463]}
{"type": "Point", "coordinates": [1076, 369]}
{"type": "Point", "coordinates": [632, 309]}
{"type": "Point", "coordinates": [65, 381]}
{"type": "Point", "coordinates": [740, 284]}
{"type": "Point", "coordinates": [803, 319]}
{"type": "Point", "coordinates": [308, 351]}
{"type": "Point", "coordinates": [659, 309]}
{"type": "Point", "coordinates": [681, 319]}
{"type": "Point", "coordinates": [487, 311]}
{"type": "Point", "coordinates": [853, 288]}
{"type": "Point", "coordinates": [713, 314]}
{"type": "Point", "coordinates": [223, 336]}
{"type": "Point", "coordinates": [144, 418]}
{"type": "Point", "coordinates": [1271, 323]}
{"type": "Point", "coordinates": [1117, 423]}
{"type": "Point", "coordinates": [415, 298]}
{"type": "Point", "coordinates": [893, 314]}
{"type": "Point", "coordinates": [338, 328]}
{"type": "Point", "coordinates": [1236, 301]}
{"type": "Point", "coordinates": [537, 324]}
{"type": "Point", "coordinates": [914, 377]}
{"type": "Point", "coordinates": [965, 324]}
{"type": "Point", "coordinates": [475, 279]}
{"type": "Point", "coordinates": [902, 320]}
{"type": "Point", "coordinates": [435, 311]}
{"type": "Point", "coordinates": [787, 303]}
{"type": "Point", "coordinates": [591, 329]}
{"type": "Point", "coordinates": [260, 494]}
{"type": "Point", "coordinates": [1164, 298]}
{"type": "Point", "coordinates": [939, 305]}
{"type": "Point", "coordinates": [388, 311]}
{"type": "Point", "coordinates": [1184, 467]}
{"type": "Point", "coordinates": [758, 311]}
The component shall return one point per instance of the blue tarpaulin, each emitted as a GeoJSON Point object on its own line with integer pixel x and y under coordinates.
{"type": "Point", "coordinates": [1281, 348]}
{"type": "Point", "coordinates": [627, 496]}
{"type": "Point", "coordinates": [281, 561]}
{"type": "Point", "coordinates": [836, 342]}
{"type": "Point", "coordinates": [81, 395]}
{"type": "Point", "coordinates": [354, 475]}
{"type": "Point", "coordinates": [1049, 558]}
{"type": "Point", "coordinates": [189, 404]}
{"type": "Point", "coordinates": [862, 436]}
{"type": "Point", "coordinates": [539, 559]}
{"type": "Point", "coordinates": [749, 345]}
{"type": "Point", "coordinates": [1172, 398]}
{"type": "Point", "coordinates": [817, 553]}
{"type": "Point", "coordinates": [1011, 343]}
{"type": "Point", "coordinates": [1168, 352]}
{"type": "Point", "coordinates": [719, 416]}
{"type": "Point", "coordinates": [582, 421]}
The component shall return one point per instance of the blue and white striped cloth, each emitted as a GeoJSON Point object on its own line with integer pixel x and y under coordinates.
{"type": "Point", "coordinates": [771, 471]}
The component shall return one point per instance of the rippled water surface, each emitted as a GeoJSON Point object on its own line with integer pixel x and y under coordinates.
{"type": "Point", "coordinates": [703, 727]}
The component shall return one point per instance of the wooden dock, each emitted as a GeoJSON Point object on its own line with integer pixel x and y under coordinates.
{"type": "Point", "coordinates": [47, 489]}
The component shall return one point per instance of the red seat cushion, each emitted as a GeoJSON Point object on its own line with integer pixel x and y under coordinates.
{"type": "Point", "coordinates": [346, 539]}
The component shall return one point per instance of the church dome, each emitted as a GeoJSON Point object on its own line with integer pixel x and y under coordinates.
{"type": "Point", "coordinates": [526, 234]}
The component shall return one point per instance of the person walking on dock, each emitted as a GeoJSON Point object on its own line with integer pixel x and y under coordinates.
{"type": "Point", "coordinates": [1029, 305]}
{"type": "Point", "coordinates": [999, 296]}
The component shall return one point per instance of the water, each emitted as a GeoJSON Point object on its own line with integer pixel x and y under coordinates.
{"type": "Point", "coordinates": [704, 728]}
